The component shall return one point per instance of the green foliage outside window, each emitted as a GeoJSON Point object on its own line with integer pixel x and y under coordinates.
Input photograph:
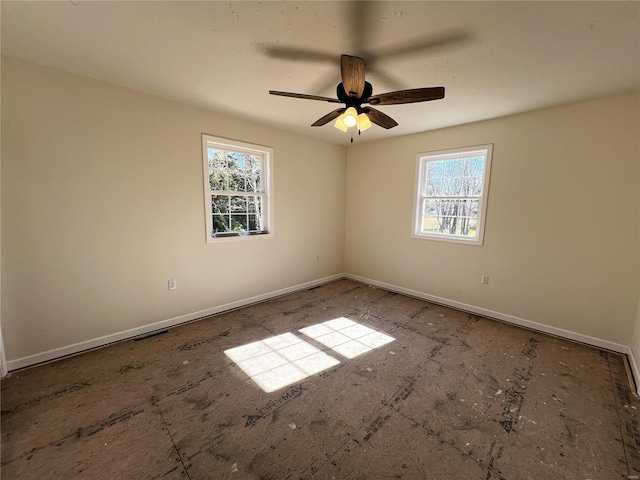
{"type": "Point", "coordinates": [235, 180]}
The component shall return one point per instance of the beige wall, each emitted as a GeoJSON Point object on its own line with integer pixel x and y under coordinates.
{"type": "Point", "coordinates": [561, 241]}
{"type": "Point", "coordinates": [102, 203]}
{"type": "Point", "coordinates": [635, 348]}
{"type": "Point", "coordinates": [634, 344]}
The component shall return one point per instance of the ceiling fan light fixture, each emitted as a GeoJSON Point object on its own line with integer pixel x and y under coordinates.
{"type": "Point", "coordinates": [340, 123]}
{"type": "Point", "coordinates": [354, 91]}
{"type": "Point", "coordinates": [363, 122]}
{"type": "Point", "coordinates": [350, 117]}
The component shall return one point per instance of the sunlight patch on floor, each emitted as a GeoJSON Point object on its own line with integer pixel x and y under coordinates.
{"type": "Point", "coordinates": [279, 361]}
{"type": "Point", "coordinates": [346, 337]}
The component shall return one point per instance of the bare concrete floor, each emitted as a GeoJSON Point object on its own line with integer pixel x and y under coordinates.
{"type": "Point", "coordinates": [454, 396]}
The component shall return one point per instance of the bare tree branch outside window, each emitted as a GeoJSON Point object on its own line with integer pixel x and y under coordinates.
{"type": "Point", "coordinates": [450, 196]}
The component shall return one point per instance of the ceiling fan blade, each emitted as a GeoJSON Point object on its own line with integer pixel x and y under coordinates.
{"type": "Point", "coordinates": [352, 69]}
{"type": "Point", "coordinates": [407, 96]}
{"type": "Point", "coordinates": [328, 117]}
{"type": "Point", "coordinates": [379, 118]}
{"type": "Point", "coordinates": [305, 96]}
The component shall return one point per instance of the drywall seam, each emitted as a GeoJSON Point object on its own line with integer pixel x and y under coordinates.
{"type": "Point", "coordinates": [635, 372]}
{"type": "Point", "coordinates": [559, 332]}
{"type": "Point", "coordinates": [161, 325]}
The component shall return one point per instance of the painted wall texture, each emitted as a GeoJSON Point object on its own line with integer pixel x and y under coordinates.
{"type": "Point", "coordinates": [635, 337]}
{"type": "Point", "coordinates": [561, 237]}
{"type": "Point", "coordinates": [102, 203]}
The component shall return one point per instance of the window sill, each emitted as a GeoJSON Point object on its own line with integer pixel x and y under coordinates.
{"type": "Point", "coordinates": [218, 237]}
{"type": "Point", "coordinates": [449, 238]}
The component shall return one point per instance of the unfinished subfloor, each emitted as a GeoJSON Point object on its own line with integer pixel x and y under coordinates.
{"type": "Point", "coordinates": [453, 396]}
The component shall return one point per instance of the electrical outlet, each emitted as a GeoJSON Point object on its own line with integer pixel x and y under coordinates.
{"type": "Point", "coordinates": [172, 284]}
{"type": "Point", "coordinates": [485, 279]}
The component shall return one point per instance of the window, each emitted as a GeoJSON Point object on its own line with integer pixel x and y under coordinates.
{"type": "Point", "coordinates": [236, 188]}
{"type": "Point", "coordinates": [451, 194]}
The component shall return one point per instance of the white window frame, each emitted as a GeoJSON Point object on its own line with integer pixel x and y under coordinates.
{"type": "Point", "coordinates": [266, 182]}
{"type": "Point", "coordinates": [422, 159]}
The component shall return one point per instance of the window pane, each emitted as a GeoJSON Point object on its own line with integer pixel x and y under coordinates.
{"type": "Point", "coordinates": [236, 182]}
{"type": "Point", "coordinates": [253, 223]}
{"type": "Point", "coordinates": [474, 185]}
{"type": "Point", "coordinates": [232, 164]}
{"type": "Point", "coordinates": [253, 173]}
{"type": "Point", "coordinates": [239, 223]}
{"type": "Point", "coordinates": [474, 170]}
{"type": "Point", "coordinates": [218, 177]}
{"type": "Point", "coordinates": [217, 181]}
{"type": "Point", "coordinates": [251, 204]}
{"type": "Point", "coordinates": [430, 216]}
{"type": "Point", "coordinates": [234, 170]}
{"type": "Point", "coordinates": [238, 204]}
{"type": "Point", "coordinates": [475, 166]}
{"type": "Point", "coordinates": [453, 168]}
{"type": "Point", "coordinates": [473, 227]}
{"type": "Point", "coordinates": [220, 223]}
{"type": "Point", "coordinates": [220, 203]}
{"type": "Point", "coordinates": [250, 163]}
{"type": "Point", "coordinates": [453, 186]}
{"type": "Point", "coordinates": [241, 160]}
{"type": "Point", "coordinates": [430, 206]}
{"type": "Point", "coordinates": [216, 159]}
{"type": "Point", "coordinates": [434, 187]}
{"type": "Point", "coordinates": [430, 224]}
{"type": "Point", "coordinates": [435, 169]}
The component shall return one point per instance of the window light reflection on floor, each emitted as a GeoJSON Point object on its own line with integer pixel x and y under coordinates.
{"type": "Point", "coordinates": [346, 337]}
{"type": "Point", "coordinates": [279, 361]}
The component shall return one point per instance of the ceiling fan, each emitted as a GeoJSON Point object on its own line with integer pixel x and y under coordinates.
{"type": "Point", "coordinates": [354, 92]}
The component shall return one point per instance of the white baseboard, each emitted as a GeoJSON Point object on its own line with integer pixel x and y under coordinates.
{"type": "Point", "coordinates": [161, 325]}
{"type": "Point", "coordinates": [634, 369]}
{"type": "Point", "coordinates": [172, 322]}
{"type": "Point", "coordinates": [3, 361]}
{"type": "Point", "coordinates": [559, 332]}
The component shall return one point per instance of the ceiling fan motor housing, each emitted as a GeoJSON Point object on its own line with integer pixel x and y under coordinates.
{"type": "Point", "coordinates": [351, 101]}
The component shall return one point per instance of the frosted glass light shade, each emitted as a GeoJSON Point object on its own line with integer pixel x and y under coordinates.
{"type": "Point", "coordinates": [350, 119]}
{"type": "Point", "coordinates": [340, 123]}
{"type": "Point", "coordinates": [363, 122]}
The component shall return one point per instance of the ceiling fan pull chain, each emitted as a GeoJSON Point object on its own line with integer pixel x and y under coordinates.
{"type": "Point", "coordinates": [351, 137]}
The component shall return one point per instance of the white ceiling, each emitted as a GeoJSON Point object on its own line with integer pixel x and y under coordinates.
{"type": "Point", "coordinates": [493, 58]}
